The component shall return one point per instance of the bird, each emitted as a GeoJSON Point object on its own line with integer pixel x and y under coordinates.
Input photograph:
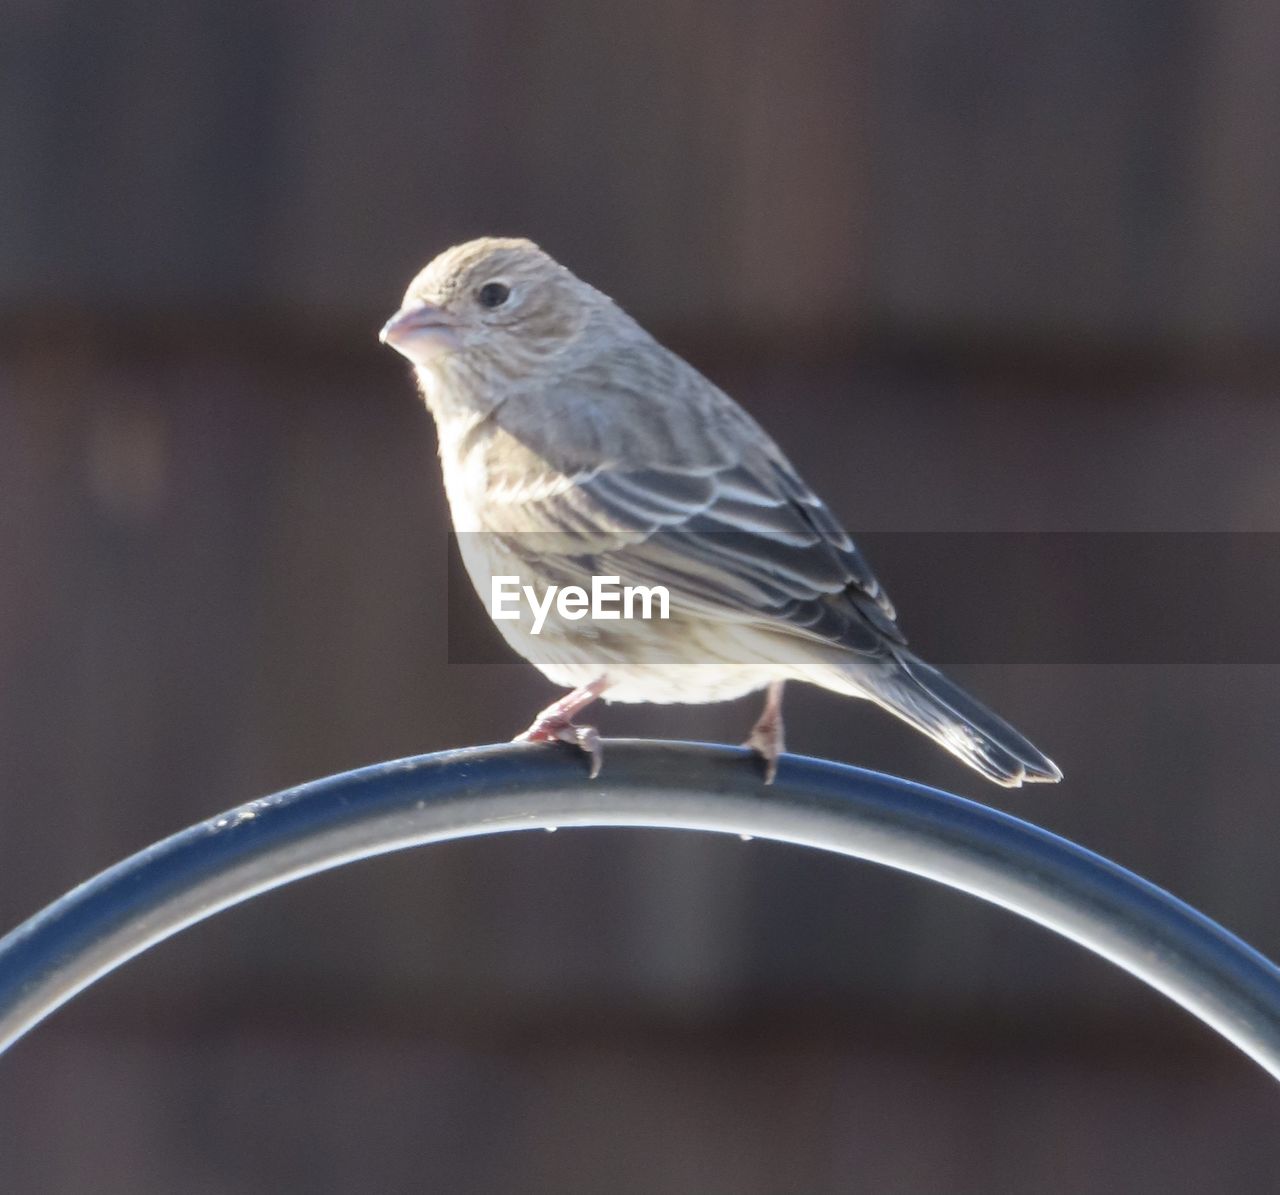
{"type": "Point", "coordinates": [574, 445]}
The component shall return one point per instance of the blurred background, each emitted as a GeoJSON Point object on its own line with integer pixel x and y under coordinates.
{"type": "Point", "coordinates": [979, 268]}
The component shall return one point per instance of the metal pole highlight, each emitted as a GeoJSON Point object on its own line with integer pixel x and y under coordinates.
{"type": "Point", "coordinates": [492, 790]}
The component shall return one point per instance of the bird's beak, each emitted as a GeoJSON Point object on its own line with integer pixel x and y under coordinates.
{"type": "Point", "coordinates": [421, 331]}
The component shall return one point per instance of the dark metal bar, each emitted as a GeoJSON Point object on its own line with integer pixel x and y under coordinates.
{"type": "Point", "coordinates": [491, 790]}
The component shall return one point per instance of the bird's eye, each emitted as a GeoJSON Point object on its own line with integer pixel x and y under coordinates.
{"type": "Point", "coordinates": [493, 294]}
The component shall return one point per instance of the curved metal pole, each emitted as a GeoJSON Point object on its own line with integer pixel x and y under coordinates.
{"type": "Point", "coordinates": [491, 790]}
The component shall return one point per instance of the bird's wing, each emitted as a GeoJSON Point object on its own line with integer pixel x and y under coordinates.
{"type": "Point", "coordinates": [750, 540]}
{"type": "Point", "coordinates": [693, 496]}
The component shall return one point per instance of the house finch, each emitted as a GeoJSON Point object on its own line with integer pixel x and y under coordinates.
{"type": "Point", "coordinates": [576, 446]}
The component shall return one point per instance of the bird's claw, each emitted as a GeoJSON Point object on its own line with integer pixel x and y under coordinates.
{"type": "Point", "coordinates": [585, 738]}
{"type": "Point", "coordinates": [767, 755]}
{"type": "Point", "coordinates": [765, 740]}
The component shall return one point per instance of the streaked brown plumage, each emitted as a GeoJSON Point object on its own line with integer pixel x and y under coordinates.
{"type": "Point", "coordinates": [574, 444]}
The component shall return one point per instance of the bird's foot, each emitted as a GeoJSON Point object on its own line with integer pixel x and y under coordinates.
{"type": "Point", "coordinates": [555, 724]}
{"type": "Point", "coordinates": [766, 737]}
{"type": "Point", "coordinates": [585, 738]}
{"type": "Point", "coordinates": [765, 740]}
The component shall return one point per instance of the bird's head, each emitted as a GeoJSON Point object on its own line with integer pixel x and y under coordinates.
{"type": "Point", "coordinates": [496, 305]}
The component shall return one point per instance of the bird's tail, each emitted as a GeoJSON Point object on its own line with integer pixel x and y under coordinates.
{"type": "Point", "coordinates": [918, 693]}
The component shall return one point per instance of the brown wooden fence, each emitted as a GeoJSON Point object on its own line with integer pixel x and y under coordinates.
{"type": "Point", "coordinates": [978, 269]}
